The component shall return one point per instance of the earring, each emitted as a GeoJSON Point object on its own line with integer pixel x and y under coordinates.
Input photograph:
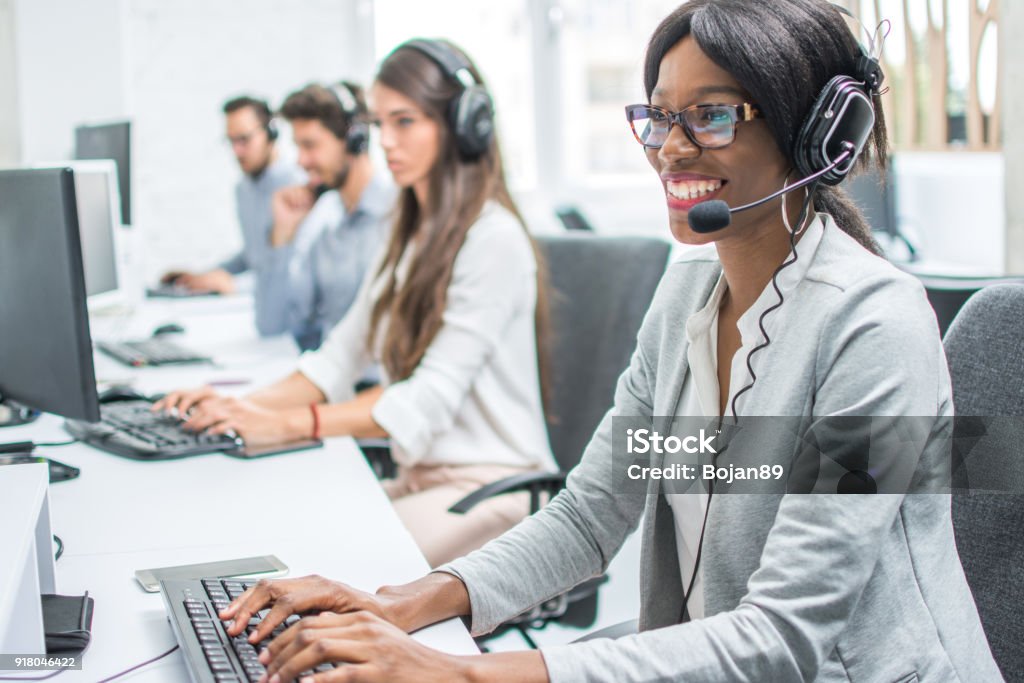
{"type": "Point", "coordinates": [785, 213]}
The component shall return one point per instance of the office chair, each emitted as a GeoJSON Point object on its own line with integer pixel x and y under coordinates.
{"type": "Point", "coordinates": [985, 350]}
{"type": "Point", "coordinates": [948, 293]}
{"type": "Point", "coordinates": [599, 290]}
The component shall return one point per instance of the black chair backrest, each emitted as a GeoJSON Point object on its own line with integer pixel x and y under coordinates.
{"type": "Point", "coordinates": [985, 349]}
{"type": "Point", "coordinates": [947, 294]}
{"type": "Point", "coordinates": [599, 289]}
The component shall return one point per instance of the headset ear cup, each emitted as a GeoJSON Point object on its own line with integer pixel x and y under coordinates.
{"type": "Point", "coordinates": [357, 139]}
{"type": "Point", "coordinates": [842, 113]}
{"type": "Point", "coordinates": [472, 121]}
{"type": "Point", "coordinates": [272, 131]}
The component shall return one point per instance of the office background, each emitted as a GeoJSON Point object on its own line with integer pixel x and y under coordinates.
{"type": "Point", "coordinates": [560, 71]}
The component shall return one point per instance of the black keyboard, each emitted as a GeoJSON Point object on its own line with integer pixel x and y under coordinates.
{"type": "Point", "coordinates": [130, 429]}
{"type": "Point", "coordinates": [210, 654]}
{"type": "Point", "coordinates": [154, 351]}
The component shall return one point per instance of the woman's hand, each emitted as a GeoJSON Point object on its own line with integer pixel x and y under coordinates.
{"type": "Point", "coordinates": [258, 426]}
{"type": "Point", "coordinates": [296, 596]}
{"type": "Point", "coordinates": [368, 649]}
{"type": "Point", "coordinates": [179, 403]}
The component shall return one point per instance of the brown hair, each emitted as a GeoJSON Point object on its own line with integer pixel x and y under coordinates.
{"type": "Point", "coordinates": [259, 107]}
{"type": "Point", "coordinates": [316, 102]}
{"type": "Point", "coordinates": [458, 191]}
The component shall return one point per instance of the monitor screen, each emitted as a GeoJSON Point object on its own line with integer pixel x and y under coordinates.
{"type": "Point", "coordinates": [45, 347]}
{"type": "Point", "coordinates": [110, 141]}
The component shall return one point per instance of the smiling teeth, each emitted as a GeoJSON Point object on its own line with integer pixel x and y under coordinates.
{"type": "Point", "coordinates": [693, 189]}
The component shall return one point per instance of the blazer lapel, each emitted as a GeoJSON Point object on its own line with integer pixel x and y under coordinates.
{"type": "Point", "coordinates": [661, 590]}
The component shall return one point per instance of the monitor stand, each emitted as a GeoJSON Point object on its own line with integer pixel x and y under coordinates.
{"type": "Point", "coordinates": [13, 413]}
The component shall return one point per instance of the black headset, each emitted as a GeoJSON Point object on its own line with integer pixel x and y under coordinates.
{"type": "Point", "coordinates": [843, 114]}
{"type": "Point", "coordinates": [471, 112]}
{"type": "Point", "coordinates": [266, 115]}
{"type": "Point", "coordinates": [357, 136]}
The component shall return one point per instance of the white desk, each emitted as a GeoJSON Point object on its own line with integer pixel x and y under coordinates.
{"type": "Point", "coordinates": [320, 511]}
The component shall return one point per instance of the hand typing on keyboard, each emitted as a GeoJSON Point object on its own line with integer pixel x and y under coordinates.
{"type": "Point", "coordinates": [352, 628]}
{"type": "Point", "coordinates": [204, 410]}
{"type": "Point", "coordinates": [286, 597]}
{"type": "Point", "coordinates": [364, 647]}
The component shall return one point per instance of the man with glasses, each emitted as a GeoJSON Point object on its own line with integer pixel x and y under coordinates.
{"type": "Point", "coordinates": [251, 134]}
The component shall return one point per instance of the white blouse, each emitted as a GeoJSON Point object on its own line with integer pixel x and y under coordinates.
{"type": "Point", "coordinates": [701, 392]}
{"type": "Point", "coordinates": [474, 398]}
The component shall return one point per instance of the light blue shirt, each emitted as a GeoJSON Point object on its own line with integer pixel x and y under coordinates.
{"type": "Point", "coordinates": [325, 265]}
{"type": "Point", "coordinates": [252, 198]}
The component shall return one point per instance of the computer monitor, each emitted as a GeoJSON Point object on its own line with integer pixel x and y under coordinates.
{"type": "Point", "coordinates": [45, 347]}
{"type": "Point", "coordinates": [99, 223]}
{"type": "Point", "coordinates": [110, 141]}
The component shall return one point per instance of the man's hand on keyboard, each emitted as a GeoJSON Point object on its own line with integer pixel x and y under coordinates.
{"type": "Point", "coordinates": [371, 649]}
{"type": "Point", "coordinates": [286, 597]}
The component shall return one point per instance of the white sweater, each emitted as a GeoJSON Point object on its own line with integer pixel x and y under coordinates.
{"type": "Point", "coordinates": [474, 398]}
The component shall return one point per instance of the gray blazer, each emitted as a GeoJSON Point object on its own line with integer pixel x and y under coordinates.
{"type": "Point", "coordinates": [796, 587]}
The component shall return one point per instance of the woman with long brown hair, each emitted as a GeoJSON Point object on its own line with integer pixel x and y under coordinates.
{"type": "Point", "coordinates": [450, 312]}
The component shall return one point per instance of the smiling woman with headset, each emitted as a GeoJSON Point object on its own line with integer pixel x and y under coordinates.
{"type": "Point", "coordinates": [452, 311]}
{"type": "Point", "coordinates": [788, 311]}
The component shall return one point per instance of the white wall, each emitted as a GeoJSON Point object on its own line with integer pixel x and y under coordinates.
{"type": "Point", "coordinates": [169, 66]}
{"type": "Point", "coordinates": [1012, 56]}
{"type": "Point", "coordinates": [952, 204]}
{"type": "Point", "coordinates": [10, 130]}
{"type": "Point", "coordinates": [68, 62]}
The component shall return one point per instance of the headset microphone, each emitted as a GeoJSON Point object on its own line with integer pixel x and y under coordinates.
{"type": "Point", "coordinates": [716, 215]}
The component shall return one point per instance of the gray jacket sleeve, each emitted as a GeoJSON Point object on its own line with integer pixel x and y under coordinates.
{"type": "Point", "coordinates": [572, 538]}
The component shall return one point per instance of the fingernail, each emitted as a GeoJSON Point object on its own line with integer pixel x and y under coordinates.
{"type": "Point", "coordinates": [263, 679]}
{"type": "Point", "coordinates": [264, 656]}
{"type": "Point", "coordinates": [307, 679]}
{"type": "Point", "coordinates": [276, 678]}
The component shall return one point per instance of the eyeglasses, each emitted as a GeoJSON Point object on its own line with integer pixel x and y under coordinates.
{"type": "Point", "coordinates": [242, 140]}
{"type": "Point", "coordinates": [709, 126]}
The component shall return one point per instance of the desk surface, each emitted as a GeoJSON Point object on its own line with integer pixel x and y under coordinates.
{"type": "Point", "coordinates": [320, 511]}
